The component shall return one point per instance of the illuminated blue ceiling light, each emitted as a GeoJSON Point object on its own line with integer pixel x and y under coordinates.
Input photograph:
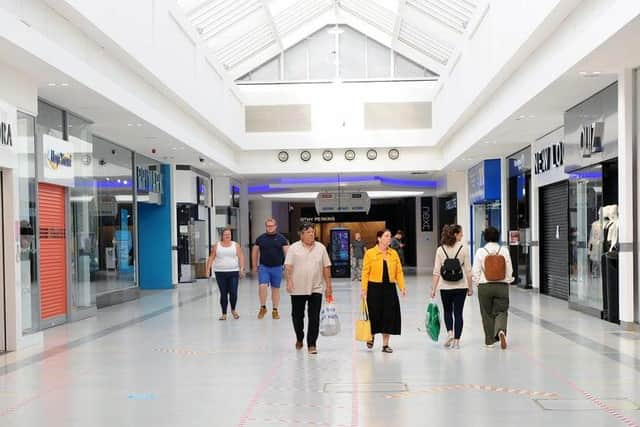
{"type": "Point", "coordinates": [381, 179]}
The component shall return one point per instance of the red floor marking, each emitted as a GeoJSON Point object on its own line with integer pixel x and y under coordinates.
{"type": "Point", "coordinates": [266, 381]}
{"type": "Point", "coordinates": [597, 402]}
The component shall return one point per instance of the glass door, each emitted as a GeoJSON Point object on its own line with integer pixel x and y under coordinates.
{"type": "Point", "coordinates": [3, 342]}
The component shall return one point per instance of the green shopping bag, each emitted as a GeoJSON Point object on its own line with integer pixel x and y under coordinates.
{"type": "Point", "coordinates": [432, 320]}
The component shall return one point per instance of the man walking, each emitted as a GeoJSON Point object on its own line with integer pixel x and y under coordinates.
{"type": "Point", "coordinates": [357, 254]}
{"type": "Point", "coordinates": [267, 258]}
{"type": "Point", "coordinates": [307, 265]}
{"type": "Point", "coordinates": [398, 246]}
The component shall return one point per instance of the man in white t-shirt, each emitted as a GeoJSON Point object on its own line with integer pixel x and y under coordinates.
{"type": "Point", "coordinates": [307, 266]}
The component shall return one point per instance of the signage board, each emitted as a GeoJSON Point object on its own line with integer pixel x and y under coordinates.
{"type": "Point", "coordinates": [426, 213]}
{"type": "Point", "coordinates": [484, 181]}
{"type": "Point", "coordinates": [548, 158]}
{"type": "Point", "coordinates": [337, 201]}
{"type": "Point", "coordinates": [8, 130]}
{"type": "Point", "coordinates": [57, 161]}
{"type": "Point", "coordinates": [149, 183]}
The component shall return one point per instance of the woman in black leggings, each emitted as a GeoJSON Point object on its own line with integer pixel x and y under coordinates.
{"type": "Point", "coordinates": [452, 273]}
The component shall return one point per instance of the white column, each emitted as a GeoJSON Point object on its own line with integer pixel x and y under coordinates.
{"type": "Point", "coordinates": [504, 200]}
{"type": "Point", "coordinates": [244, 218]}
{"type": "Point", "coordinates": [534, 223]}
{"type": "Point", "coordinates": [625, 197]}
{"type": "Point", "coordinates": [261, 209]}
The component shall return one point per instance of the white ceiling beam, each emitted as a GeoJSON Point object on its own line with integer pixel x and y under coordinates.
{"type": "Point", "coordinates": [402, 7]}
{"type": "Point", "coordinates": [272, 23]}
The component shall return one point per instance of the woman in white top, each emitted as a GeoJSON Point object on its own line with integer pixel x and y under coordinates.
{"type": "Point", "coordinates": [452, 262]}
{"type": "Point", "coordinates": [493, 280]}
{"type": "Point", "coordinates": [228, 265]}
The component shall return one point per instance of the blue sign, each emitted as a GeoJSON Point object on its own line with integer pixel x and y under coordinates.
{"type": "Point", "coordinates": [484, 182]}
{"type": "Point", "coordinates": [148, 181]}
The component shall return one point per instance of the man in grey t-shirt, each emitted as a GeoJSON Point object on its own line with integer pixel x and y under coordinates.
{"type": "Point", "coordinates": [357, 255]}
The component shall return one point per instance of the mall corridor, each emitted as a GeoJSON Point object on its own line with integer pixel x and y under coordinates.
{"type": "Point", "coordinates": [165, 360]}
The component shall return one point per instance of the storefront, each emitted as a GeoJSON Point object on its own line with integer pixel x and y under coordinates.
{"type": "Point", "coordinates": [193, 200]}
{"type": "Point", "coordinates": [484, 185]}
{"type": "Point", "coordinates": [519, 206]}
{"type": "Point", "coordinates": [577, 182]}
{"type": "Point", "coordinates": [8, 161]}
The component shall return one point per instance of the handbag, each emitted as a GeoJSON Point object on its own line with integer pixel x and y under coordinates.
{"type": "Point", "coordinates": [329, 320]}
{"type": "Point", "coordinates": [432, 320]}
{"type": "Point", "coordinates": [363, 325]}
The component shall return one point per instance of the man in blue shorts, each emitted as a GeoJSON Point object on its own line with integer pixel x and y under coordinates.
{"type": "Point", "coordinates": [267, 259]}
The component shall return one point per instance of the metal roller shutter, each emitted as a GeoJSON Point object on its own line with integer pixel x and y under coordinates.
{"type": "Point", "coordinates": [53, 259]}
{"type": "Point", "coordinates": [554, 240]}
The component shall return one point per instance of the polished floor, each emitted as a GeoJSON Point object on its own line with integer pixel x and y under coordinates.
{"type": "Point", "coordinates": [165, 360]}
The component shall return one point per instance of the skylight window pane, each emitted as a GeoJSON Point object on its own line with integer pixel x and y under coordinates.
{"type": "Point", "coordinates": [269, 72]}
{"type": "Point", "coordinates": [378, 60]}
{"type": "Point", "coordinates": [322, 55]}
{"type": "Point", "coordinates": [406, 69]}
{"type": "Point", "coordinates": [295, 62]}
{"type": "Point", "coordinates": [352, 51]}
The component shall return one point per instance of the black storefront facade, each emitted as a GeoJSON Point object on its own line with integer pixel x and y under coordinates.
{"type": "Point", "coordinates": [576, 180]}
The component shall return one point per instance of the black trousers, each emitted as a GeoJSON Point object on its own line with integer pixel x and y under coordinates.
{"type": "Point", "coordinates": [452, 304]}
{"type": "Point", "coordinates": [313, 303]}
{"type": "Point", "coordinates": [228, 285]}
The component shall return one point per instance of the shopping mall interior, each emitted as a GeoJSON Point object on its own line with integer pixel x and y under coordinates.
{"type": "Point", "coordinates": [134, 134]}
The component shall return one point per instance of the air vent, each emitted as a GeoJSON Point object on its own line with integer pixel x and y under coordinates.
{"type": "Point", "coordinates": [278, 118]}
{"type": "Point", "coordinates": [397, 115]}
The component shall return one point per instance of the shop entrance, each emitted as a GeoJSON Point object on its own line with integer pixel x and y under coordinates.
{"type": "Point", "coordinates": [53, 255]}
{"type": "Point", "coordinates": [554, 237]}
{"type": "Point", "coordinates": [3, 299]}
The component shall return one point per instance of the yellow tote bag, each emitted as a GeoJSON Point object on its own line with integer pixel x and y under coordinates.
{"type": "Point", "coordinates": [363, 325]}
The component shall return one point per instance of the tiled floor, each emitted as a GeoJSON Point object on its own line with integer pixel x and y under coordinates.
{"type": "Point", "coordinates": [165, 360]}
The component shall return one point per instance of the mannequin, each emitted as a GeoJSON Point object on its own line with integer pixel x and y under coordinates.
{"type": "Point", "coordinates": [595, 244]}
{"type": "Point", "coordinates": [606, 224]}
{"type": "Point", "coordinates": [612, 235]}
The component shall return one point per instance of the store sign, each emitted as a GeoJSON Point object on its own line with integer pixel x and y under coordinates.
{"type": "Point", "coordinates": [451, 204]}
{"type": "Point", "coordinates": [149, 183]}
{"type": "Point", "coordinates": [476, 182]}
{"type": "Point", "coordinates": [549, 158]}
{"type": "Point", "coordinates": [7, 128]}
{"type": "Point", "coordinates": [57, 161]}
{"type": "Point", "coordinates": [426, 213]}
{"type": "Point", "coordinates": [591, 138]}
{"type": "Point", "coordinates": [317, 219]}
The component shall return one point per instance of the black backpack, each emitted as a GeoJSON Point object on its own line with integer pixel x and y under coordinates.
{"type": "Point", "coordinates": [451, 269]}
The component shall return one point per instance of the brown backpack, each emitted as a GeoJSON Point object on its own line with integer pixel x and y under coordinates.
{"type": "Point", "coordinates": [495, 266]}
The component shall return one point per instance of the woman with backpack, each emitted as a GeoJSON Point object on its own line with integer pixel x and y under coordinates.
{"type": "Point", "coordinates": [452, 273]}
{"type": "Point", "coordinates": [492, 272]}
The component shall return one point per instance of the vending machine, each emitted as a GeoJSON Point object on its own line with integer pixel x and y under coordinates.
{"type": "Point", "coordinates": [339, 252]}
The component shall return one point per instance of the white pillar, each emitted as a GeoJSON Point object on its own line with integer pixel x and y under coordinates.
{"type": "Point", "coordinates": [504, 201]}
{"type": "Point", "coordinates": [534, 223]}
{"type": "Point", "coordinates": [244, 218]}
{"type": "Point", "coordinates": [261, 209]}
{"type": "Point", "coordinates": [625, 197]}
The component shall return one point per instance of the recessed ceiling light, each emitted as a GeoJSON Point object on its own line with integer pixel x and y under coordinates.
{"type": "Point", "coordinates": [139, 124]}
{"type": "Point", "coordinates": [129, 124]}
{"type": "Point", "coordinates": [590, 73]}
{"type": "Point", "coordinates": [64, 84]}
{"type": "Point", "coordinates": [521, 117]}
{"type": "Point", "coordinates": [51, 84]}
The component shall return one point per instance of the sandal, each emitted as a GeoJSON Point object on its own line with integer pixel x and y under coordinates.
{"type": "Point", "coordinates": [370, 344]}
{"type": "Point", "coordinates": [223, 317]}
{"type": "Point", "coordinates": [235, 315]}
{"type": "Point", "coordinates": [387, 349]}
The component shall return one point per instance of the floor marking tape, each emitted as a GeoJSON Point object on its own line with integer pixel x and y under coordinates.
{"type": "Point", "coordinates": [478, 387]}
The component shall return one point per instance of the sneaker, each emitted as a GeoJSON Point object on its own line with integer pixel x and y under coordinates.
{"type": "Point", "coordinates": [262, 312]}
{"type": "Point", "coordinates": [503, 340]}
{"type": "Point", "coordinates": [448, 342]}
{"type": "Point", "coordinates": [298, 345]}
{"type": "Point", "coordinates": [455, 345]}
{"type": "Point", "coordinates": [275, 314]}
{"type": "Point", "coordinates": [490, 346]}
{"type": "Point", "coordinates": [313, 350]}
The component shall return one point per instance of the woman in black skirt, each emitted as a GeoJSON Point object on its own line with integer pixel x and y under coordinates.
{"type": "Point", "coordinates": [381, 272]}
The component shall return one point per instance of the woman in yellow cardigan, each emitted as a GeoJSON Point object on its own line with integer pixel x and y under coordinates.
{"type": "Point", "coordinates": [381, 272]}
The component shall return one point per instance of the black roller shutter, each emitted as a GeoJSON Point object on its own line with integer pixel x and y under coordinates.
{"type": "Point", "coordinates": [554, 240]}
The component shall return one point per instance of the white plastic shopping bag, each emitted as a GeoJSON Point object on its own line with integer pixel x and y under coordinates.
{"type": "Point", "coordinates": [329, 321]}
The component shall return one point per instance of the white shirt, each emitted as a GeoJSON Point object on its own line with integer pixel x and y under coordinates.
{"type": "Point", "coordinates": [226, 258]}
{"type": "Point", "coordinates": [478, 263]}
{"type": "Point", "coordinates": [307, 265]}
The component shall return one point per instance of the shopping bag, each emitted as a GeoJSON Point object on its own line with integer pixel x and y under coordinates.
{"type": "Point", "coordinates": [363, 325]}
{"type": "Point", "coordinates": [329, 321]}
{"type": "Point", "coordinates": [432, 320]}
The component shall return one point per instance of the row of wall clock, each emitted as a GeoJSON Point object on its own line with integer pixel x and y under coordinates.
{"type": "Point", "coordinates": [327, 155]}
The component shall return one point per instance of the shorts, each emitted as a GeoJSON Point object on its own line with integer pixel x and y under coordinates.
{"type": "Point", "coordinates": [271, 276]}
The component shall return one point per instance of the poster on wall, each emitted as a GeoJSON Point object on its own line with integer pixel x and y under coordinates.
{"type": "Point", "coordinates": [426, 213]}
{"type": "Point", "coordinates": [57, 161]}
{"type": "Point", "coordinates": [8, 130]}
